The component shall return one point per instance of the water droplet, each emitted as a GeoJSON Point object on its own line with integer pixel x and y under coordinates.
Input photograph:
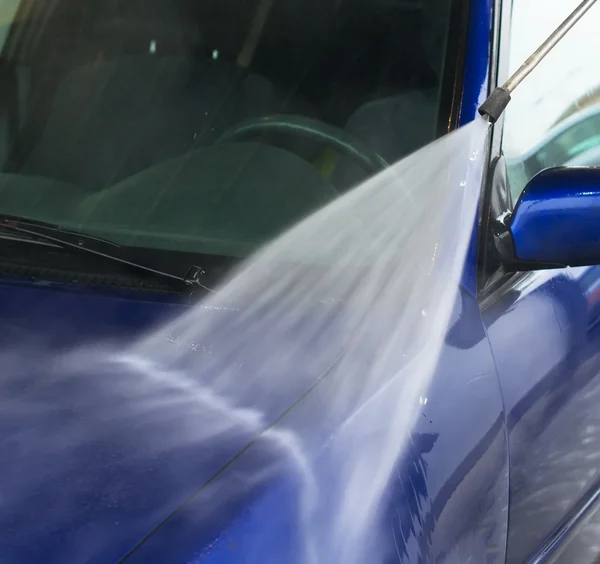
{"type": "Point", "coordinates": [463, 183]}
{"type": "Point", "coordinates": [423, 312]}
{"type": "Point", "coordinates": [152, 47]}
{"type": "Point", "coordinates": [215, 54]}
{"type": "Point", "coordinates": [474, 154]}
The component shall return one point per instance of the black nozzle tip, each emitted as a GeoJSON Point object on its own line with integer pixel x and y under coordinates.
{"type": "Point", "coordinates": [493, 107]}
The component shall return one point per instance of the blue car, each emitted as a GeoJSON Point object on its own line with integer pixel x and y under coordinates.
{"type": "Point", "coordinates": [147, 148]}
{"type": "Point", "coordinates": [572, 142]}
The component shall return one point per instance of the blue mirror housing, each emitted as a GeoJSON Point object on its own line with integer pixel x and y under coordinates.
{"type": "Point", "coordinates": [556, 221]}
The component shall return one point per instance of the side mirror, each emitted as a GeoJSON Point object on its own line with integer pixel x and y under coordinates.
{"type": "Point", "coordinates": [556, 222]}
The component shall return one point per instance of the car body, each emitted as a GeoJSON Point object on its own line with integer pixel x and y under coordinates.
{"type": "Point", "coordinates": [501, 466]}
{"type": "Point", "coordinates": [571, 142]}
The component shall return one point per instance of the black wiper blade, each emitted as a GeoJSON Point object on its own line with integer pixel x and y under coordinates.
{"type": "Point", "coordinates": [66, 238]}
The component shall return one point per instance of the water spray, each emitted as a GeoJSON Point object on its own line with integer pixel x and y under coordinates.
{"type": "Point", "coordinates": [493, 107]}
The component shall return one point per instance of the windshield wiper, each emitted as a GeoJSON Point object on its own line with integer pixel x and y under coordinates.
{"type": "Point", "coordinates": [65, 238]}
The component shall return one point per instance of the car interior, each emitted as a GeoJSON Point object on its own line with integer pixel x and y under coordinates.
{"type": "Point", "coordinates": [185, 122]}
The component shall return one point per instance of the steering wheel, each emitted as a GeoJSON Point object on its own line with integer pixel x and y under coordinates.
{"type": "Point", "coordinates": [318, 131]}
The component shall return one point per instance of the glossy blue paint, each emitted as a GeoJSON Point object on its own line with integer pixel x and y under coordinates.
{"type": "Point", "coordinates": [549, 328]}
{"type": "Point", "coordinates": [162, 496]}
{"type": "Point", "coordinates": [521, 379]}
{"type": "Point", "coordinates": [478, 57]}
{"type": "Point", "coordinates": [475, 90]}
{"type": "Point", "coordinates": [557, 218]}
{"type": "Point", "coordinates": [545, 341]}
{"type": "Point", "coordinates": [454, 460]}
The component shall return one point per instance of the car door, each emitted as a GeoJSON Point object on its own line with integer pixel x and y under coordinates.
{"type": "Point", "coordinates": [543, 326]}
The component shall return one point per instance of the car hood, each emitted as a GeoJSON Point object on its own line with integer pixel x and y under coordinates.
{"type": "Point", "coordinates": [101, 457]}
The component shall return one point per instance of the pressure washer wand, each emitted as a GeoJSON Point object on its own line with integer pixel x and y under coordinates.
{"type": "Point", "coordinates": [493, 107]}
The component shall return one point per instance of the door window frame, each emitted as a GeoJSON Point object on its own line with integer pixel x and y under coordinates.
{"type": "Point", "coordinates": [495, 195]}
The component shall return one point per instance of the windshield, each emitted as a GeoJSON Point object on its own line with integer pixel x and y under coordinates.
{"type": "Point", "coordinates": [211, 126]}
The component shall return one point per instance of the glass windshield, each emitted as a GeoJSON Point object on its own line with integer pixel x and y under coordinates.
{"type": "Point", "coordinates": [211, 126]}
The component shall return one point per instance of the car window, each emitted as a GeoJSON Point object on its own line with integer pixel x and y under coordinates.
{"type": "Point", "coordinates": [554, 117]}
{"type": "Point", "coordinates": [212, 126]}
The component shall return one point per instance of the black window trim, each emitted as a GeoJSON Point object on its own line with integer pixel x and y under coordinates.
{"type": "Point", "coordinates": [454, 67]}
{"type": "Point", "coordinates": [501, 39]}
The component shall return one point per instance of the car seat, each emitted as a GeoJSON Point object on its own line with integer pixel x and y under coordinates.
{"type": "Point", "coordinates": [398, 125]}
{"type": "Point", "coordinates": [111, 119]}
{"type": "Point", "coordinates": [136, 83]}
